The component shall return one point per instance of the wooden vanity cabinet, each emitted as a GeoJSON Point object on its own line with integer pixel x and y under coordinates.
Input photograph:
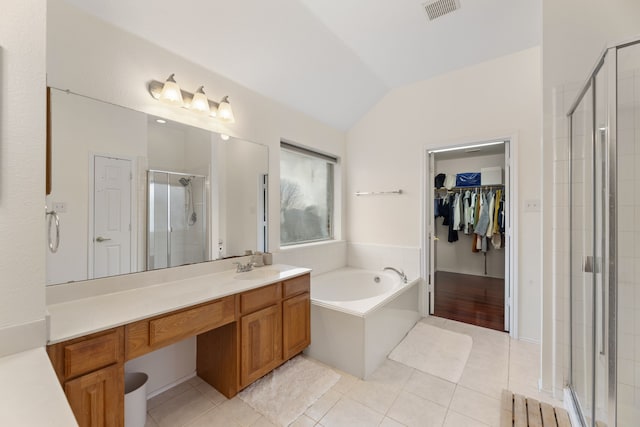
{"type": "Point", "coordinates": [260, 332]}
{"type": "Point", "coordinates": [273, 326]}
{"type": "Point", "coordinates": [296, 325]}
{"type": "Point", "coordinates": [260, 343]}
{"type": "Point", "coordinates": [156, 332]}
{"type": "Point", "coordinates": [273, 334]}
{"type": "Point", "coordinates": [91, 371]}
{"type": "Point", "coordinates": [97, 399]}
{"type": "Point", "coordinates": [240, 338]}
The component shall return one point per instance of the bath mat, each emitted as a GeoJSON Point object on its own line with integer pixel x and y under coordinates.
{"type": "Point", "coordinates": [284, 394]}
{"type": "Point", "coordinates": [435, 351]}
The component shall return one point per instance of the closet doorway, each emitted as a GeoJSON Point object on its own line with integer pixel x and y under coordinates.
{"type": "Point", "coordinates": [468, 243]}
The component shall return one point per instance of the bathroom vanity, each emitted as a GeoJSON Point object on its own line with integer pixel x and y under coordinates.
{"type": "Point", "coordinates": [246, 325]}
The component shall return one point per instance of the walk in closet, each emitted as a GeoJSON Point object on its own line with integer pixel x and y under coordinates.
{"type": "Point", "coordinates": [468, 221]}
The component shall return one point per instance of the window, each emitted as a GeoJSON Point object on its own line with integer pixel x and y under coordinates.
{"type": "Point", "coordinates": [306, 195]}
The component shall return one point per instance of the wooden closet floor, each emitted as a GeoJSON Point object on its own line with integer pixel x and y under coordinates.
{"type": "Point", "coordinates": [477, 300]}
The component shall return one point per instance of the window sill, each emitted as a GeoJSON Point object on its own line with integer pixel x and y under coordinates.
{"type": "Point", "coordinates": [311, 244]}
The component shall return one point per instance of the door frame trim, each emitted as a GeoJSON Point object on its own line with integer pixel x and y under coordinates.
{"type": "Point", "coordinates": [426, 191]}
{"type": "Point", "coordinates": [133, 209]}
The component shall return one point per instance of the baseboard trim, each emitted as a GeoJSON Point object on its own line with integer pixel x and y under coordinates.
{"type": "Point", "coordinates": [164, 388]}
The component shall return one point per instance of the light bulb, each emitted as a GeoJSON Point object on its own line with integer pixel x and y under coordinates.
{"type": "Point", "coordinates": [224, 136]}
{"type": "Point", "coordinates": [171, 93]}
{"type": "Point", "coordinates": [225, 113]}
{"type": "Point", "coordinates": [200, 103]}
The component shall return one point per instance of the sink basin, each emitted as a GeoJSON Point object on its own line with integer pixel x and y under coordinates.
{"type": "Point", "coordinates": [262, 273]}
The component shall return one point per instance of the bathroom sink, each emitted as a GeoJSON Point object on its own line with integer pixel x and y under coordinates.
{"type": "Point", "coordinates": [262, 273]}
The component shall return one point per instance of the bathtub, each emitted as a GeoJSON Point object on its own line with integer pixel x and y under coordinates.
{"type": "Point", "coordinates": [359, 316]}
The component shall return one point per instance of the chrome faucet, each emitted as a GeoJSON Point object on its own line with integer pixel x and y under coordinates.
{"type": "Point", "coordinates": [243, 268]}
{"type": "Point", "coordinates": [400, 273]}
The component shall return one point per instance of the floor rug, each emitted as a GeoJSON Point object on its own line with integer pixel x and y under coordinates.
{"type": "Point", "coordinates": [284, 394]}
{"type": "Point", "coordinates": [435, 351]}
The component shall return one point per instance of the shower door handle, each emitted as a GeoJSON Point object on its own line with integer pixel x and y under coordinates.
{"type": "Point", "coordinates": [101, 239]}
{"type": "Point", "coordinates": [591, 265]}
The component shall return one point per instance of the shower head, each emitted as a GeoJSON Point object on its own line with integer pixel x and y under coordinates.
{"type": "Point", "coordinates": [185, 181]}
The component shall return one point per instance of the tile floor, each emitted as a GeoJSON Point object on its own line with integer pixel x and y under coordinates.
{"type": "Point", "coordinates": [395, 395]}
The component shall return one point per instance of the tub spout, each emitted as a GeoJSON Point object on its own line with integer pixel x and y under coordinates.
{"type": "Point", "coordinates": [400, 273]}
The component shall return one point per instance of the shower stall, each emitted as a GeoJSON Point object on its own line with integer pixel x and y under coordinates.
{"type": "Point", "coordinates": [177, 219]}
{"type": "Point", "coordinates": [604, 256]}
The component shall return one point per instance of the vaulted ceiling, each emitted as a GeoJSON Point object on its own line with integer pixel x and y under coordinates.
{"type": "Point", "coordinates": [331, 59]}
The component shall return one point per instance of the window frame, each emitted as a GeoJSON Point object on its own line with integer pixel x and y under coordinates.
{"type": "Point", "coordinates": [332, 162]}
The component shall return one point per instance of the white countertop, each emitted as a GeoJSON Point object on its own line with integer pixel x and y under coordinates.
{"type": "Point", "coordinates": [84, 316]}
{"type": "Point", "coordinates": [31, 394]}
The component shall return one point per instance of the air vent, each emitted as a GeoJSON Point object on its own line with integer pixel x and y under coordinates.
{"type": "Point", "coordinates": [438, 8]}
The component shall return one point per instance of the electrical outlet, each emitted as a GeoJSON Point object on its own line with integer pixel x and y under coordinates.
{"type": "Point", "coordinates": [60, 207]}
{"type": "Point", "coordinates": [532, 205]}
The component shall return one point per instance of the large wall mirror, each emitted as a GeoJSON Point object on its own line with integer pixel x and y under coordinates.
{"type": "Point", "coordinates": [135, 192]}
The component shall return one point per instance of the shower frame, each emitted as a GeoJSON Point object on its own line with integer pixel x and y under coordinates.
{"type": "Point", "coordinates": [207, 245]}
{"type": "Point", "coordinates": [604, 330]}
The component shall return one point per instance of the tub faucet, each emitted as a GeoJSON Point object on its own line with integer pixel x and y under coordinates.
{"type": "Point", "coordinates": [400, 273]}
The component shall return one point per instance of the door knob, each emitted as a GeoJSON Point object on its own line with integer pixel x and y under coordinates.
{"type": "Point", "coordinates": [101, 239]}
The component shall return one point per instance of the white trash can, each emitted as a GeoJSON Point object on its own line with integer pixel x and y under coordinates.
{"type": "Point", "coordinates": [135, 399]}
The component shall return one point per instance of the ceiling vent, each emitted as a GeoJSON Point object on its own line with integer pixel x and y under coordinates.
{"type": "Point", "coordinates": [438, 8]}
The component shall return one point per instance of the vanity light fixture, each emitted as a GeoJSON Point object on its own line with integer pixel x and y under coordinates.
{"type": "Point", "coordinates": [170, 93]}
{"type": "Point", "coordinates": [200, 103]}
{"type": "Point", "coordinates": [224, 111]}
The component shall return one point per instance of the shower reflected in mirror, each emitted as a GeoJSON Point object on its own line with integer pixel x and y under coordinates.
{"type": "Point", "coordinates": [176, 232]}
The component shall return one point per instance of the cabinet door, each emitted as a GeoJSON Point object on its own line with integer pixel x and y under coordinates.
{"type": "Point", "coordinates": [296, 329]}
{"type": "Point", "coordinates": [261, 338]}
{"type": "Point", "coordinates": [97, 399]}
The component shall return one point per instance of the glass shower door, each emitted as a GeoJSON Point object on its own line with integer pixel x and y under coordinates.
{"type": "Point", "coordinates": [593, 207]}
{"type": "Point", "coordinates": [582, 256]}
{"type": "Point", "coordinates": [627, 336]}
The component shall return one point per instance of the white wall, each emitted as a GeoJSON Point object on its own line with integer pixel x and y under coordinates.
{"type": "Point", "coordinates": [22, 178]}
{"type": "Point", "coordinates": [386, 147]}
{"type": "Point", "coordinates": [575, 32]}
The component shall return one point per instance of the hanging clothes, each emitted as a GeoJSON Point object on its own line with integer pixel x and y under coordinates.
{"type": "Point", "coordinates": [445, 211]}
{"type": "Point", "coordinates": [496, 213]}
{"type": "Point", "coordinates": [456, 212]}
{"type": "Point", "coordinates": [453, 233]}
{"type": "Point", "coordinates": [483, 218]}
{"type": "Point", "coordinates": [492, 201]}
{"type": "Point", "coordinates": [466, 215]}
{"type": "Point", "coordinates": [501, 214]}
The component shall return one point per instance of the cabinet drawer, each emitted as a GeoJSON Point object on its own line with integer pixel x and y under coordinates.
{"type": "Point", "coordinates": [297, 285]}
{"type": "Point", "coordinates": [92, 353]}
{"type": "Point", "coordinates": [147, 335]}
{"type": "Point", "coordinates": [262, 297]}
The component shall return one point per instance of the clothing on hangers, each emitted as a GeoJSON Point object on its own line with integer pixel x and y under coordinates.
{"type": "Point", "coordinates": [453, 233]}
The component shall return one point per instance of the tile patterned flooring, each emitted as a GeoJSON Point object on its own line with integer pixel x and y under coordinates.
{"type": "Point", "coordinates": [395, 395]}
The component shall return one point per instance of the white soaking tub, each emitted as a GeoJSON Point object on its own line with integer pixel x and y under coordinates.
{"type": "Point", "coordinates": [359, 316]}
